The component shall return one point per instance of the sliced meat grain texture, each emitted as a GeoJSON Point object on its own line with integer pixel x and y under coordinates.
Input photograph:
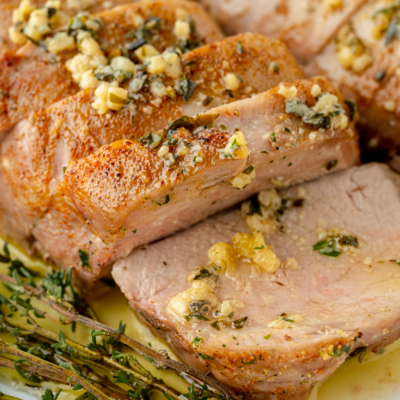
{"type": "Point", "coordinates": [35, 154]}
{"type": "Point", "coordinates": [127, 193]}
{"type": "Point", "coordinates": [33, 78]}
{"type": "Point", "coordinates": [337, 290]}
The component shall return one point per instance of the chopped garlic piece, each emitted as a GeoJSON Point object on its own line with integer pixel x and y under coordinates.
{"type": "Point", "coordinates": [61, 41]}
{"type": "Point", "coordinates": [361, 63]}
{"type": "Point", "coordinates": [173, 68]}
{"type": "Point", "coordinates": [257, 223]}
{"type": "Point", "coordinates": [253, 246]}
{"type": "Point", "coordinates": [270, 199]}
{"type": "Point", "coordinates": [232, 82]}
{"type": "Point", "coordinates": [122, 63]}
{"type": "Point", "coordinates": [32, 33]}
{"type": "Point", "coordinates": [332, 5]}
{"type": "Point", "coordinates": [244, 178]}
{"type": "Point", "coordinates": [81, 63]}
{"type": "Point", "coordinates": [236, 147]}
{"type": "Point", "coordinates": [158, 89]}
{"type": "Point", "coordinates": [286, 321]}
{"type": "Point", "coordinates": [328, 104]}
{"type": "Point", "coordinates": [145, 52]}
{"type": "Point", "coordinates": [22, 13]}
{"type": "Point", "coordinates": [157, 65]}
{"type": "Point", "coordinates": [16, 35]}
{"type": "Point", "coordinates": [101, 97]}
{"type": "Point", "coordinates": [90, 47]}
{"type": "Point", "coordinates": [390, 106]}
{"type": "Point", "coordinates": [182, 30]}
{"type": "Point", "coordinates": [291, 263]}
{"type": "Point", "coordinates": [223, 256]}
{"type": "Point", "coordinates": [200, 290]}
{"type": "Point", "coordinates": [182, 151]}
{"type": "Point", "coordinates": [163, 151]}
{"type": "Point", "coordinates": [316, 90]}
{"type": "Point", "coordinates": [88, 80]}
{"type": "Point", "coordinates": [117, 98]}
{"type": "Point", "coordinates": [288, 93]}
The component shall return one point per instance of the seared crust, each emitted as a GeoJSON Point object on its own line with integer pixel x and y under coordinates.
{"type": "Point", "coordinates": [38, 149]}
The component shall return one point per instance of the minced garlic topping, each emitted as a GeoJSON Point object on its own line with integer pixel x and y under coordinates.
{"type": "Point", "coordinates": [35, 23]}
{"type": "Point", "coordinates": [244, 178]}
{"type": "Point", "coordinates": [223, 256]}
{"type": "Point", "coordinates": [351, 50]}
{"type": "Point", "coordinates": [287, 92]}
{"type": "Point", "coordinates": [327, 113]}
{"type": "Point", "coordinates": [108, 96]}
{"type": "Point", "coordinates": [236, 147]}
{"type": "Point", "coordinates": [332, 5]}
{"type": "Point", "coordinates": [269, 201]}
{"type": "Point", "coordinates": [232, 82]}
{"type": "Point", "coordinates": [286, 321]}
{"type": "Point", "coordinates": [201, 290]}
{"type": "Point", "coordinates": [253, 247]}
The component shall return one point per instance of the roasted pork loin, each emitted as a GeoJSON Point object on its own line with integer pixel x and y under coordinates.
{"type": "Point", "coordinates": [128, 193]}
{"type": "Point", "coordinates": [267, 335]}
{"type": "Point", "coordinates": [34, 78]}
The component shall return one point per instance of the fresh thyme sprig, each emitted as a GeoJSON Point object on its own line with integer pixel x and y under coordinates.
{"type": "Point", "coordinates": [44, 355]}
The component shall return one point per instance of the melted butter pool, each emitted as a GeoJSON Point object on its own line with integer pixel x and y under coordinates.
{"type": "Point", "coordinates": [377, 377]}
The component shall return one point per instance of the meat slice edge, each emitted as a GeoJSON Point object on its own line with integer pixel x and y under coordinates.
{"type": "Point", "coordinates": [352, 300]}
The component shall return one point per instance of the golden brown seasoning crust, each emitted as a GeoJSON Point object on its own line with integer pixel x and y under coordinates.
{"type": "Point", "coordinates": [73, 129]}
{"type": "Point", "coordinates": [88, 187]}
{"type": "Point", "coordinates": [127, 175]}
{"type": "Point", "coordinates": [210, 65]}
{"type": "Point", "coordinates": [32, 78]}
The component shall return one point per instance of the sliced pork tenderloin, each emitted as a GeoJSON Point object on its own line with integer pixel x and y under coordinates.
{"type": "Point", "coordinates": [363, 61]}
{"type": "Point", "coordinates": [34, 78]}
{"type": "Point", "coordinates": [273, 335]}
{"type": "Point", "coordinates": [111, 202]}
{"type": "Point", "coordinates": [304, 26]}
{"type": "Point", "coordinates": [36, 154]}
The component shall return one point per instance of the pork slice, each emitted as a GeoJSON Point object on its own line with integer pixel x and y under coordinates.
{"type": "Point", "coordinates": [35, 154]}
{"type": "Point", "coordinates": [32, 78]}
{"type": "Point", "coordinates": [69, 7]}
{"type": "Point", "coordinates": [375, 86]}
{"type": "Point", "coordinates": [302, 322]}
{"type": "Point", "coordinates": [123, 203]}
{"type": "Point", "coordinates": [304, 26]}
